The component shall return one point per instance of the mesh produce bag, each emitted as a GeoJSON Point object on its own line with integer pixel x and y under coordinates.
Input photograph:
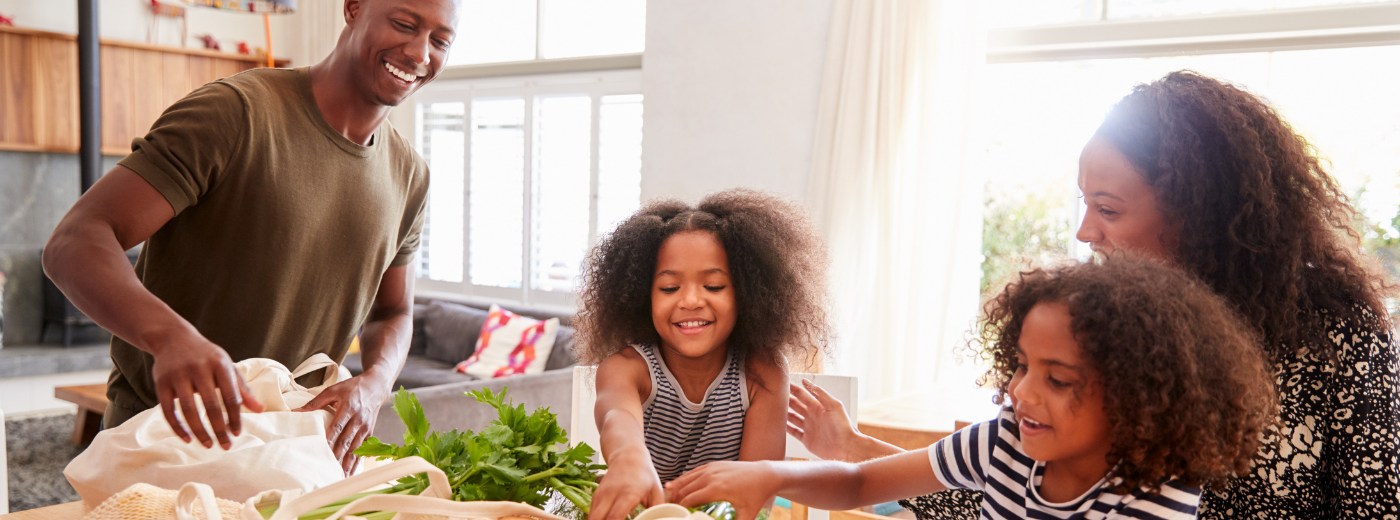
{"type": "Point", "coordinates": [143, 501]}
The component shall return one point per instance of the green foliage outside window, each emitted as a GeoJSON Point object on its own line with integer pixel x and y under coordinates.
{"type": "Point", "coordinates": [1024, 227]}
{"type": "Point", "coordinates": [1031, 226]}
{"type": "Point", "coordinates": [1380, 238]}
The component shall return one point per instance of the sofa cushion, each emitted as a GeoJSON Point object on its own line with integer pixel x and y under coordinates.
{"type": "Point", "coordinates": [418, 343]}
{"type": "Point", "coordinates": [563, 354]}
{"type": "Point", "coordinates": [451, 331]}
{"type": "Point", "coordinates": [511, 344]}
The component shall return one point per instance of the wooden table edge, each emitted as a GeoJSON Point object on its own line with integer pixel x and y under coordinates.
{"type": "Point", "coordinates": [64, 511]}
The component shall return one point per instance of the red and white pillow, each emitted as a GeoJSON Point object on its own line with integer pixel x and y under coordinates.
{"type": "Point", "coordinates": [511, 344]}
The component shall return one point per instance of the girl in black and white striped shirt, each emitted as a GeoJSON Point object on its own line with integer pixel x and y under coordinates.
{"type": "Point", "coordinates": [691, 314]}
{"type": "Point", "coordinates": [1127, 385]}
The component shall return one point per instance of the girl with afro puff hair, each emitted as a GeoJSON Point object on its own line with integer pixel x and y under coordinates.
{"type": "Point", "coordinates": [691, 314]}
{"type": "Point", "coordinates": [1125, 385]}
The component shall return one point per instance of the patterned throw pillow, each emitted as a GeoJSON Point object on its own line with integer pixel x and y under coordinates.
{"type": "Point", "coordinates": [510, 344]}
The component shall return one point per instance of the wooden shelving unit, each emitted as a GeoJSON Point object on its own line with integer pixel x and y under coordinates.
{"type": "Point", "coordinates": [39, 87]}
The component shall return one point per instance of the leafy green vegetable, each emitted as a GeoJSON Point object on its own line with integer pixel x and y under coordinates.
{"type": "Point", "coordinates": [725, 511]}
{"type": "Point", "coordinates": [718, 510]}
{"type": "Point", "coordinates": [517, 457]}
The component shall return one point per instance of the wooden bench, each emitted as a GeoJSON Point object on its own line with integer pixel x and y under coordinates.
{"type": "Point", "coordinates": [92, 404]}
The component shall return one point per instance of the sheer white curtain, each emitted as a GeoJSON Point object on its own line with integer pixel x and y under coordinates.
{"type": "Point", "coordinates": [901, 213]}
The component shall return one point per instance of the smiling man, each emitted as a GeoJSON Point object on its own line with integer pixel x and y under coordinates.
{"type": "Point", "coordinates": [281, 214]}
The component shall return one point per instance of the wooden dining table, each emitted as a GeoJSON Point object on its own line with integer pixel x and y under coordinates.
{"type": "Point", "coordinates": [74, 510]}
{"type": "Point", "coordinates": [65, 511]}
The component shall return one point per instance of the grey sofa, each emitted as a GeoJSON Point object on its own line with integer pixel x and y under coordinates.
{"type": "Point", "coordinates": [447, 407]}
{"type": "Point", "coordinates": [445, 333]}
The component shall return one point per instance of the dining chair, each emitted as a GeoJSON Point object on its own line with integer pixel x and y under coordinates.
{"type": "Point", "coordinates": [582, 427]}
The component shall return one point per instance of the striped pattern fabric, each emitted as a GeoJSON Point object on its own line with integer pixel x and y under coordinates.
{"type": "Point", "coordinates": [682, 435]}
{"type": "Point", "coordinates": [988, 456]}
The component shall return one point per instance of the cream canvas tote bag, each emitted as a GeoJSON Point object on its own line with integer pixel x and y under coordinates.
{"type": "Point", "coordinates": [278, 449]}
{"type": "Point", "coordinates": [433, 504]}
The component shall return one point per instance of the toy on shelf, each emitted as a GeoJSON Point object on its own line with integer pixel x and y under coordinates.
{"type": "Point", "coordinates": [209, 41]}
{"type": "Point", "coordinates": [161, 10]}
{"type": "Point", "coordinates": [5, 20]}
{"type": "Point", "coordinates": [263, 7]}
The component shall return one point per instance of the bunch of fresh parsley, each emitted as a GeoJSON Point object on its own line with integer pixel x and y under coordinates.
{"type": "Point", "coordinates": [518, 457]}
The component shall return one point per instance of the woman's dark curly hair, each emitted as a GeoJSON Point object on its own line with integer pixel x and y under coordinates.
{"type": "Point", "coordinates": [1186, 390]}
{"type": "Point", "coordinates": [1260, 220]}
{"type": "Point", "coordinates": [777, 267]}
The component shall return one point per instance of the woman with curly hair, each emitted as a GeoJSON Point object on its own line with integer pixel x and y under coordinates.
{"type": "Point", "coordinates": [1211, 178]}
{"type": "Point", "coordinates": [691, 314]}
{"type": "Point", "coordinates": [1125, 386]}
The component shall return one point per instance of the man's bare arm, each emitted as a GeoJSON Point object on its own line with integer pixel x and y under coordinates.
{"type": "Point", "coordinates": [86, 258]}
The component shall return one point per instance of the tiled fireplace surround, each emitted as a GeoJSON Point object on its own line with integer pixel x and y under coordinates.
{"type": "Point", "coordinates": [36, 189]}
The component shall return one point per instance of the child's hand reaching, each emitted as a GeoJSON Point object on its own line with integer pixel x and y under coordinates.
{"type": "Point", "coordinates": [819, 421]}
{"type": "Point", "coordinates": [623, 487]}
{"type": "Point", "coordinates": [746, 485]}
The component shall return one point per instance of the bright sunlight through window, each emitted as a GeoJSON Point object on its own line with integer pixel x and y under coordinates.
{"type": "Point", "coordinates": [1037, 116]}
{"type": "Point", "coordinates": [526, 175]}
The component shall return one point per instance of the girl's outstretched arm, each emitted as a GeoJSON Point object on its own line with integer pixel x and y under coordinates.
{"type": "Point", "coordinates": [622, 381]}
{"type": "Point", "coordinates": [821, 484]}
{"type": "Point", "coordinates": [764, 432]}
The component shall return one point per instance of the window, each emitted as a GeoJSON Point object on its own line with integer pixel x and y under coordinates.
{"type": "Point", "coordinates": [492, 31]}
{"type": "Point", "coordinates": [533, 156]}
{"type": "Point", "coordinates": [526, 174]}
{"type": "Point", "coordinates": [1023, 13]}
{"type": "Point", "coordinates": [1047, 89]}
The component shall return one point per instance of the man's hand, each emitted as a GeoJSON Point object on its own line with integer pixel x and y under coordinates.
{"type": "Point", "coordinates": [624, 486]}
{"type": "Point", "coordinates": [205, 369]}
{"type": "Point", "coordinates": [749, 486]}
{"type": "Point", "coordinates": [354, 405]}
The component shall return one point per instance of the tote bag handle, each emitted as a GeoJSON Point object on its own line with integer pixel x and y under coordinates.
{"type": "Point", "coordinates": [319, 361]}
{"type": "Point", "coordinates": [440, 507]}
{"type": "Point", "coordinates": [196, 493]}
{"type": "Point", "coordinates": [193, 493]}
{"type": "Point", "coordinates": [438, 486]}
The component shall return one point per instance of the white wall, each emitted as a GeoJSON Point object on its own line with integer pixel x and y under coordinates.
{"type": "Point", "coordinates": [317, 25]}
{"type": "Point", "coordinates": [129, 19]}
{"type": "Point", "coordinates": [34, 394]}
{"type": "Point", "coordinates": [731, 85]}
{"type": "Point", "coordinates": [731, 95]}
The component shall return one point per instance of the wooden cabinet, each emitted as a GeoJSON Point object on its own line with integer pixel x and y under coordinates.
{"type": "Point", "coordinates": [39, 88]}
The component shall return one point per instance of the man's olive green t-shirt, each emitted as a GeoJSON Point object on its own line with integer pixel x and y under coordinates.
{"type": "Point", "coordinates": [283, 228]}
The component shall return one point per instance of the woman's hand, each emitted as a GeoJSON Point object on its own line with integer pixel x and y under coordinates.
{"type": "Point", "coordinates": [749, 486]}
{"type": "Point", "coordinates": [820, 422]}
{"type": "Point", "coordinates": [627, 483]}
